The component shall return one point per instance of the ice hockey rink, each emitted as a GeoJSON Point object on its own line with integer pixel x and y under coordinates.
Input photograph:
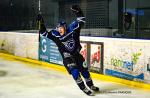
{"type": "Point", "coordinates": [20, 80]}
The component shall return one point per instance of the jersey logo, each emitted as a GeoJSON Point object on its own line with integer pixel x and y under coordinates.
{"type": "Point", "coordinates": [70, 44]}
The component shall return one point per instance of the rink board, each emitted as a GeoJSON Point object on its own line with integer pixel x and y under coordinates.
{"type": "Point", "coordinates": [123, 58]}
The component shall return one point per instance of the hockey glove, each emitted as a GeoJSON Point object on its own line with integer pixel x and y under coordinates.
{"type": "Point", "coordinates": [39, 18]}
{"type": "Point", "coordinates": [75, 8]}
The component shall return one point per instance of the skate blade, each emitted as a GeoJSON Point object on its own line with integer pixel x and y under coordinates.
{"type": "Point", "coordinates": [92, 94]}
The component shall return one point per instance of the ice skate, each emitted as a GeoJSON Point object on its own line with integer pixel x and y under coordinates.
{"type": "Point", "coordinates": [88, 92]}
{"type": "Point", "coordinates": [94, 88]}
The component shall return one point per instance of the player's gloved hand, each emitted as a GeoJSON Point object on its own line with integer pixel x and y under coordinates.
{"type": "Point", "coordinates": [39, 18]}
{"type": "Point", "coordinates": [76, 8]}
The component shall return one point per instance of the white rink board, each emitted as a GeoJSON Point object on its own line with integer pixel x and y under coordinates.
{"type": "Point", "coordinates": [124, 49]}
{"type": "Point", "coordinates": [20, 44]}
{"type": "Point", "coordinates": [26, 45]}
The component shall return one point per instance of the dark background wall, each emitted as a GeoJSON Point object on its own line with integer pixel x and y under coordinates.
{"type": "Point", "coordinates": [17, 14]}
{"type": "Point", "coordinates": [20, 14]}
{"type": "Point", "coordinates": [100, 14]}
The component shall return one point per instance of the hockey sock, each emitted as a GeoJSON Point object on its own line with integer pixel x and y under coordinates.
{"type": "Point", "coordinates": [76, 75]}
{"type": "Point", "coordinates": [89, 81]}
{"type": "Point", "coordinates": [87, 78]}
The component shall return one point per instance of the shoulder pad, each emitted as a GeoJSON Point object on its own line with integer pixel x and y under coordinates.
{"type": "Point", "coordinates": [55, 33]}
{"type": "Point", "coordinates": [74, 25]}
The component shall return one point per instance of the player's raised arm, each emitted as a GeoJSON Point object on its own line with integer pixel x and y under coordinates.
{"type": "Point", "coordinates": [42, 28]}
{"type": "Point", "coordinates": [79, 14]}
{"type": "Point", "coordinates": [40, 22]}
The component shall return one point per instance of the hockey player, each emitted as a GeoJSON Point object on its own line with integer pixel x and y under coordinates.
{"type": "Point", "coordinates": [67, 38]}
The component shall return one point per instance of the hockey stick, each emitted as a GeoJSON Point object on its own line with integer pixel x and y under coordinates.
{"type": "Point", "coordinates": [39, 22]}
{"type": "Point", "coordinates": [39, 26]}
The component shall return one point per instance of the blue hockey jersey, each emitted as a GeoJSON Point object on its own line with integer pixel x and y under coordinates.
{"type": "Point", "coordinates": [70, 41]}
